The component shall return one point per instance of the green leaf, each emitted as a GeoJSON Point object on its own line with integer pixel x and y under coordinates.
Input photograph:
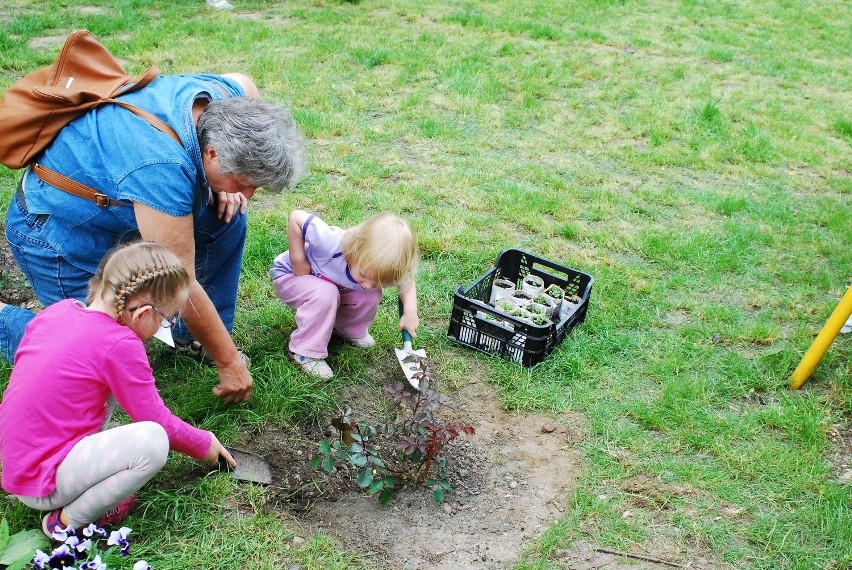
{"type": "Point", "coordinates": [390, 481]}
{"type": "Point", "coordinates": [22, 546]}
{"type": "Point", "coordinates": [365, 476]}
{"type": "Point", "coordinates": [356, 448]}
{"type": "Point", "coordinates": [328, 464]}
{"type": "Point", "coordinates": [438, 495]}
{"type": "Point", "coordinates": [376, 486]}
{"type": "Point", "coordinates": [4, 534]}
{"type": "Point", "coordinates": [384, 497]}
{"type": "Point", "coordinates": [444, 484]}
{"type": "Point", "coordinates": [315, 461]}
{"type": "Point", "coordinates": [430, 482]}
{"type": "Point", "coordinates": [325, 447]}
{"type": "Point", "coordinates": [358, 460]}
{"type": "Point", "coordinates": [21, 564]}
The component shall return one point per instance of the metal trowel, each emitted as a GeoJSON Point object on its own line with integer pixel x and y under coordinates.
{"type": "Point", "coordinates": [408, 357]}
{"type": "Point", "coordinates": [250, 466]}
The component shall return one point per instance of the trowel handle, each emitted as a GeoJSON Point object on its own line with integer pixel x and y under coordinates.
{"type": "Point", "coordinates": [406, 336]}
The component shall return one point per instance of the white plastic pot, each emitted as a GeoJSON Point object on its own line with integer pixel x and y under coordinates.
{"type": "Point", "coordinates": [532, 284]}
{"type": "Point", "coordinates": [501, 289]}
{"type": "Point", "coordinates": [521, 298]}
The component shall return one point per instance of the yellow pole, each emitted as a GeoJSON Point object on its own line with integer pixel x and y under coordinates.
{"type": "Point", "coordinates": [823, 340]}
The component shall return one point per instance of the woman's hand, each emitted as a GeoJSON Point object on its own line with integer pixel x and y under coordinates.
{"type": "Point", "coordinates": [235, 381]}
{"type": "Point", "coordinates": [216, 451]}
{"type": "Point", "coordinates": [227, 204]}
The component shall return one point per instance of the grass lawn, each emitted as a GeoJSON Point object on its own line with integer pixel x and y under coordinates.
{"type": "Point", "coordinates": [695, 157]}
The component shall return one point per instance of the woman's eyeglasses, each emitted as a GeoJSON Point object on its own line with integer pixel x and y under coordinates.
{"type": "Point", "coordinates": [168, 322]}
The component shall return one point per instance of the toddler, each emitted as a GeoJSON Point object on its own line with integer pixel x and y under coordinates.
{"type": "Point", "coordinates": [333, 278]}
{"type": "Point", "coordinates": [74, 363]}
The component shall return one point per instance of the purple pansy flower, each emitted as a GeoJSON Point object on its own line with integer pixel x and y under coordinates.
{"type": "Point", "coordinates": [95, 564]}
{"type": "Point", "coordinates": [119, 538]}
{"type": "Point", "coordinates": [94, 530]}
{"type": "Point", "coordinates": [62, 534]}
{"type": "Point", "coordinates": [61, 557]}
{"type": "Point", "coordinates": [40, 560]}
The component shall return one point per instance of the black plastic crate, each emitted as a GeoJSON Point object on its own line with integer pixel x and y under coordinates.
{"type": "Point", "coordinates": [476, 324]}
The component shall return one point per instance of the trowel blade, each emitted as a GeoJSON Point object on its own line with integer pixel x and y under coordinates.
{"type": "Point", "coordinates": [250, 466]}
{"type": "Point", "coordinates": [411, 367]}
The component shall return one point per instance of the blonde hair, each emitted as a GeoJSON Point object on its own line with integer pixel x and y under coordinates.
{"type": "Point", "coordinates": [139, 267]}
{"type": "Point", "coordinates": [383, 249]}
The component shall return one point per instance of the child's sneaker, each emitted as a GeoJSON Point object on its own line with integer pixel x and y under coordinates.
{"type": "Point", "coordinates": [119, 512]}
{"type": "Point", "coordinates": [365, 342]}
{"type": "Point", "coordinates": [313, 366]}
{"type": "Point", "coordinates": [51, 522]}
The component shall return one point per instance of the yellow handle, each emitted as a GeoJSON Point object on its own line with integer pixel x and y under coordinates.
{"type": "Point", "coordinates": [823, 340]}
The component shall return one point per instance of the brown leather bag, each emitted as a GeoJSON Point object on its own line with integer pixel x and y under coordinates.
{"type": "Point", "coordinates": [37, 106]}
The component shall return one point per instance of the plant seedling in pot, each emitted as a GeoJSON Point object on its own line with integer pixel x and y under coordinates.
{"type": "Point", "coordinates": [533, 284]}
{"type": "Point", "coordinates": [500, 289]}
{"type": "Point", "coordinates": [522, 314]}
{"type": "Point", "coordinates": [505, 305]}
{"type": "Point", "coordinates": [540, 319]}
{"type": "Point", "coordinates": [547, 302]}
{"type": "Point", "coordinates": [522, 298]}
{"type": "Point", "coordinates": [555, 292]}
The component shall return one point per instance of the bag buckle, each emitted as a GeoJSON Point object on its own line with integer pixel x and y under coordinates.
{"type": "Point", "coordinates": [101, 200]}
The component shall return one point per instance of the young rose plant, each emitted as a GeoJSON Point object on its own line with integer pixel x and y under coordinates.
{"type": "Point", "coordinates": [408, 449]}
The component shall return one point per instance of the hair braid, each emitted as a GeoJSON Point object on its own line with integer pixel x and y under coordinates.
{"type": "Point", "coordinates": [139, 267]}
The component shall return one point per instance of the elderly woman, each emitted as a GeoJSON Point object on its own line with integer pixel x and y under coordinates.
{"type": "Point", "coordinates": [191, 198]}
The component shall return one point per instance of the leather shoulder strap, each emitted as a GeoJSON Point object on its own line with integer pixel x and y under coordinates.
{"type": "Point", "coordinates": [152, 119]}
{"type": "Point", "coordinates": [73, 187]}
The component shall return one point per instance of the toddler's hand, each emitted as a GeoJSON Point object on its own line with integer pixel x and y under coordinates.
{"type": "Point", "coordinates": [409, 323]}
{"type": "Point", "coordinates": [301, 267]}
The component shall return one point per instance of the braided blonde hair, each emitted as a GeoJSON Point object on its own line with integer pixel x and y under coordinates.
{"type": "Point", "coordinates": [139, 267]}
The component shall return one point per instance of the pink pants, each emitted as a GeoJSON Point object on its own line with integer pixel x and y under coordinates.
{"type": "Point", "coordinates": [321, 308]}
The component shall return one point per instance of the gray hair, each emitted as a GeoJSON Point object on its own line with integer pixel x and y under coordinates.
{"type": "Point", "coordinates": [255, 140]}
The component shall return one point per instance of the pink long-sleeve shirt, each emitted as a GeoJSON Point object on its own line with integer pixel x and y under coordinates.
{"type": "Point", "coordinates": [69, 362]}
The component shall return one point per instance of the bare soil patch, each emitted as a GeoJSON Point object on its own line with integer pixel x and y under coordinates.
{"type": "Point", "coordinates": [509, 482]}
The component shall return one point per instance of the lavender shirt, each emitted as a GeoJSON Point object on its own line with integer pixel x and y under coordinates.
{"type": "Point", "coordinates": [322, 249]}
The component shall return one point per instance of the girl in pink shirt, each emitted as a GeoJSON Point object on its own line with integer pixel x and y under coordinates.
{"type": "Point", "coordinates": [74, 364]}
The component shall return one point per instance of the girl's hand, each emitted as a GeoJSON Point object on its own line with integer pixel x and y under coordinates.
{"type": "Point", "coordinates": [216, 451]}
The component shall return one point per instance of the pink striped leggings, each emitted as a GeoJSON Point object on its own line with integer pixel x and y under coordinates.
{"type": "Point", "coordinates": [103, 469]}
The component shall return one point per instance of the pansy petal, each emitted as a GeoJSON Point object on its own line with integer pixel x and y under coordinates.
{"type": "Point", "coordinates": [40, 559]}
{"type": "Point", "coordinates": [85, 546]}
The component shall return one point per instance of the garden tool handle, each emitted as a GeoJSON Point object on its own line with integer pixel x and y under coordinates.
{"type": "Point", "coordinates": [406, 336]}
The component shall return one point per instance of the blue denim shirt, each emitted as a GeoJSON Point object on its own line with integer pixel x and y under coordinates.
{"type": "Point", "coordinates": [122, 156]}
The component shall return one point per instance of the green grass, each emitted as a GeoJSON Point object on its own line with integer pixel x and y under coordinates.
{"type": "Point", "coordinates": [694, 157]}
